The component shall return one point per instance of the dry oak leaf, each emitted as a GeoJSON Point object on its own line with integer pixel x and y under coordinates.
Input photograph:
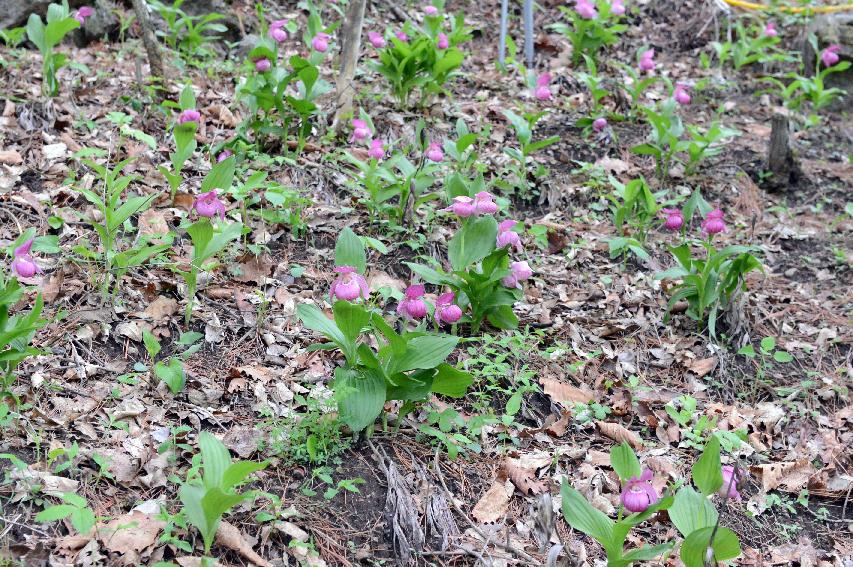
{"type": "Point", "coordinates": [619, 434]}
{"type": "Point", "coordinates": [11, 157]}
{"type": "Point", "coordinates": [132, 532]}
{"type": "Point", "coordinates": [790, 476]}
{"type": "Point", "coordinates": [229, 536]}
{"type": "Point", "coordinates": [494, 503]}
{"type": "Point", "coordinates": [702, 366]}
{"type": "Point", "coordinates": [562, 392]}
{"type": "Point", "coordinates": [161, 309]}
{"type": "Point", "coordinates": [524, 478]}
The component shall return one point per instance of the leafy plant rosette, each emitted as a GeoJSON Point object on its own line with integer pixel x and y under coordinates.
{"type": "Point", "coordinates": [16, 333]}
{"type": "Point", "coordinates": [46, 36]}
{"type": "Point", "coordinates": [380, 364]}
{"type": "Point", "coordinates": [478, 267]}
{"type": "Point", "coordinates": [589, 36]}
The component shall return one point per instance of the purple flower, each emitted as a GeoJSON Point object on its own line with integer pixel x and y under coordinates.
{"type": "Point", "coordinates": [829, 56]}
{"type": "Point", "coordinates": [520, 272]}
{"type": "Point", "coordinates": [507, 236]}
{"type": "Point", "coordinates": [617, 8]}
{"type": "Point", "coordinates": [277, 31]}
{"type": "Point", "coordinates": [647, 62]}
{"type": "Point", "coordinates": [638, 493]}
{"type": "Point", "coordinates": [462, 207]}
{"type": "Point", "coordinates": [599, 124]}
{"type": "Point", "coordinates": [412, 306]}
{"type": "Point", "coordinates": [83, 13]}
{"type": "Point", "coordinates": [208, 205]}
{"type": "Point", "coordinates": [445, 310]}
{"type": "Point", "coordinates": [376, 40]}
{"type": "Point", "coordinates": [23, 264]}
{"type": "Point", "coordinates": [401, 35]}
{"type": "Point", "coordinates": [713, 223]}
{"type": "Point", "coordinates": [434, 152]}
{"type": "Point", "coordinates": [189, 115]}
{"type": "Point", "coordinates": [263, 65]}
{"type": "Point", "coordinates": [770, 30]}
{"type": "Point", "coordinates": [320, 42]}
{"type": "Point", "coordinates": [349, 285]}
{"type": "Point", "coordinates": [360, 130]}
{"type": "Point", "coordinates": [484, 203]}
{"type": "Point", "coordinates": [223, 155]}
{"type": "Point", "coordinates": [586, 10]}
{"type": "Point", "coordinates": [674, 219]}
{"type": "Point", "coordinates": [376, 150]}
{"type": "Point", "coordinates": [430, 10]}
{"type": "Point", "coordinates": [681, 95]}
{"type": "Point", "coordinates": [727, 491]}
{"type": "Point", "coordinates": [542, 90]}
{"type": "Point", "coordinates": [443, 42]}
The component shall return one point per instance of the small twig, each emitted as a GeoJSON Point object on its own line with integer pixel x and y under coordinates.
{"type": "Point", "coordinates": [519, 552]}
{"type": "Point", "coordinates": [14, 523]}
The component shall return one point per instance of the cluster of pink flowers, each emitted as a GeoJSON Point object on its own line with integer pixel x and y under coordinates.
{"type": "Point", "coordinates": [23, 264]}
{"type": "Point", "coordinates": [713, 223]}
{"type": "Point", "coordinates": [377, 40]}
{"type": "Point", "coordinates": [647, 60]}
{"type": "Point", "coordinates": [482, 204]}
{"type": "Point", "coordinates": [638, 493]}
{"type": "Point", "coordinates": [829, 56]}
{"type": "Point", "coordinates": [83, 13]}
{"type": "Point", "coordinates": [361, 132]}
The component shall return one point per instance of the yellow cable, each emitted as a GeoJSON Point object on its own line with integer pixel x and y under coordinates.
{"type": "Point", "coordinates": [791, 9]}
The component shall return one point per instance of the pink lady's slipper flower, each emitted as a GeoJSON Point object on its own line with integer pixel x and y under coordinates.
{"type": "Point", "coordinates": [507, 236]}
{"type": "Point", "coordinates": [320, 42]}
{"type": "Point", "coordinates": [462, 207]}
{"type": "Point", "coordinates": [83, 13]}
{"type": "Point", "coordinates": [638, 493]}
{"type": "Point", "coordinates": [434, 152]}
{"type": "Point", "coordinates": [208, 205]}
{"type": "Point", "coordinates": [360, 130]}
{"type": "Point", "coordinates": [412, 306]}
{"type": "Point", "coordinates": [376, 150]}
{"type": "Point", "coordinates": [189, 115]}
{"type": "Point", "coordinates": [542, 90]}
{"type": "Point", "coordinates": [401, 35]}
{"type": "Point", "coordinates": [223, 155]}
{"type": "Point", "coordinates": [349, 285]}
{"type": "Point", "coordinates": [599, 124]}
{"type": "Point", "coordinates": [830, 55]}
{"type": "Point", "coordinates": [770, 30]}
{"type": "Point", "coordinates": [674, 219]}
{"type": "Point", "coordinates": [277, 31]}
{"type": "Point", "coordinates": [445, 310]}
{"type": "Point", "coordinates": [520, 272]}
{"type": "Point", "coordinates": [484, 203]}
{"type": "Point", "coordinates": [586, 10]}
{"type": "Point", "coordinates": [713, 223]}
{"type": "Point", "coordinates": [430, 10]}
{"type": "Point", "coordinates": [617, 8]}
{"type": "Point", "coordinates": [443, 42]}
{"type": "Point", "coordinates": [263, 65]}
{"type": "Point", "coordinates": [681, 95]}
{"type": "Point", "coordinates": [647, 61]}
{"type": "Point", "coordinates": [23, 264]}
{"type": "Point", "coordinates": [729, 488]}
{"type": "Point", "coordinates": [376, 40]}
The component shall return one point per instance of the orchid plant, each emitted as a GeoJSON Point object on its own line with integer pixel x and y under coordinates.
{"type": "Point", "coordinates": [49, 34]}
{"type": "Point", "coordinates": [183, 133]}
{"type": "Point", "coordinates": [16, 331]}
{"type": "Point", "coordinates": [380, 364]}
{"type": "Point", "coordinates": [524, 126]}
{"type": "Point", "coordinates": [594, 25]}
{"type": "Point", "coordinates": [635, 209]}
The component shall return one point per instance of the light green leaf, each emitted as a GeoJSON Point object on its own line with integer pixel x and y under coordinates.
{"type": "Point", "coordinates": [451, 381]}
{"type": "Point", "coordinates": [362, 396]}
{"type": "Point", "coordinates": [625, 462]}
{"type": "Point", "coordinates": [349, 251]}
{"type": "Point", "coordinates": [690, 511]}
{"type": "Point", "coordinates": [726, 546]}
{"type": "Point", "coordinates": [425, 352]}
{"type": "Point", "coordinates": [473, 242]}
{"type": "Point", "coordinates": [707, 472]}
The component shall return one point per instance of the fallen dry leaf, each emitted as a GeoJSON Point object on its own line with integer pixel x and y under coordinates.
{"type": "Point", "coordinates": [790, 476]}
{"type": "Point", "coordinates": [703, 366]}
{"type": "Point", "coordinates": [493, 505]}
{"type": "Point", "coordinates": [523, 475]}
{"type": "Point", "coordinates": [132, 532]}
{"type": "Point", "coordinates": [619, 434]}
{"type": "Point", "coordinates": [562, 392]}
{"type": "Point", "coordinates": [230, 537]}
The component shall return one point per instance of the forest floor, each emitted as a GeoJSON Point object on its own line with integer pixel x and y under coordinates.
{"type": "Point", "coordinates": [594, 359]}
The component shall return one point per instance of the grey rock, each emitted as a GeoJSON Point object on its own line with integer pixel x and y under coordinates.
{"type": "Point", "coordinates": [103, 23]}
{"type": "Point", "coordinates": [14, 13]}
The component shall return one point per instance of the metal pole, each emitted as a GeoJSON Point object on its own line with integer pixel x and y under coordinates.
{"type": "Point", "coordinates": [502, 41]}
{"type": "Point", "coordinates": [528, 33]}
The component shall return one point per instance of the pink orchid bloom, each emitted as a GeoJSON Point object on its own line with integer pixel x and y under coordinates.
{"type": "Point", "coordinates": [376, 151]}
{"type": "Point", "coordinates": [617, 8]}
{"type": "Point", "coordinates": [412, 306]}
{"type": "Point", "coordinates": [320, 42]}
{"type": "Point", "coordinates": [647, 62]}
{"type": "Point", "coordinates": [462, 207]}
{"type": "Point", "coordinates": [360, 130]}
{"type": "Point", "coordinates": [223, 155]}
{"type": "Point", "coordinates": [829, 56]}
{"type": "Point", "coordinates": [189, 115]}
{"type": "Point", "coordinates": [543, 90]}
{"type": "Point", "coordinates": [277, 31]}
{"type": "Point", "coordinates": [484, 203]}
{"type": "Point", "coordinates": [263, 65]}
{"type": "Point", "coordinates": [434, 152]}
{"type": "Point", "coordinates": [770, 30]}
{"type": "Point", "coordinates": [681, 95]}
{"type": "Point", "coordinates": [507, 236]}
{"type": "Point", "coordinates": [520, 272]}
{"type": "Point", "coordinates": [349, 285]}
{"type": "Point", "coordinates": [23, 264]}
{"type": "Point", "coordinates": [729, 488]}
{"type": "Point", "coordinates": [599, 124]}
{"type": "Point", "coordinates": [443, 42]}
{"type": "Point", "coordinates": [208, 205]}
{"type": "Point", "coordinates": [713, 223]}
{"type": "Point", "coordinates": [638, 493]}
{"type": "Point", "coordinates": [401, 35]}
{"type": "Point", "coordinates": [430, 10]}
{"type": "Point", "coordinates": [83, 13]}
{"type": "Point", "coordinates": [674, 218]}
{"type": "Point", "coordinates": [445, 310]}
{"type": "Point", "coordinates": [586, 10]}
{"type": "Point", "coordinates": [376, 40]}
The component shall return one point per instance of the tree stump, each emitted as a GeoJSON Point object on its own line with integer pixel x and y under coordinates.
{"type": "Point", "coordinates": [780, 158]}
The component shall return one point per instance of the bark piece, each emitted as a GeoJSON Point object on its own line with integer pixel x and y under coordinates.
{"type": "Point", "coordinates": [152, 48]}
{"type": "Point", "coordinates": [344, 88]}
{"type": "Point", "coordinates": [780, 158]}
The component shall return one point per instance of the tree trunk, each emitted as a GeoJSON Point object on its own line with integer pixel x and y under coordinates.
{"type": "Point", "coordinates": [155, 61]}
{"type": "Point", "coordinates": [345, 89]}
{"type": "Point", "coordinates": [780, 158]}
